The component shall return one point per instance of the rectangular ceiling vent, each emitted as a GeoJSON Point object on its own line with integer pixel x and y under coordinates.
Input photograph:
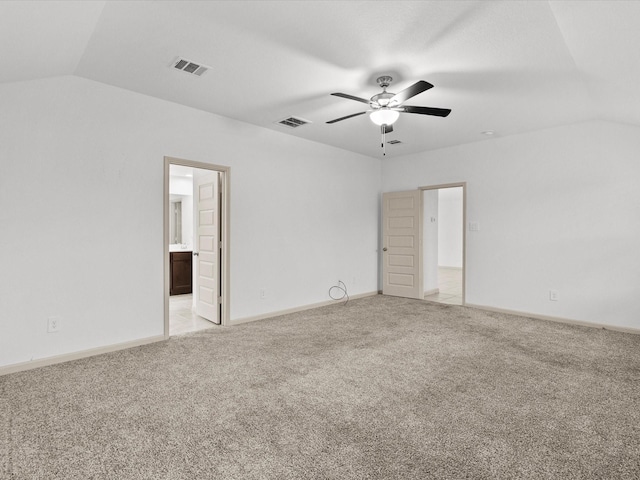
{"type": "Point", "coordinates": [293, 122]}
{"type": "Point", "coordinates": [394, 142]}
{"type": "Point", "coordinates": [189, 67]}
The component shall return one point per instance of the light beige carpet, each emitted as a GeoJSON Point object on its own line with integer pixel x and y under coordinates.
{"type": "Point", "coordinates": [382, 388]}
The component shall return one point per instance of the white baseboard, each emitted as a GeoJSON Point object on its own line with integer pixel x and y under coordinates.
{"type": "Point", "coordinates": [433, 291]}
{"type": "Point", "coordinates": [297, 309]}
{"type": "Point", "coordinates": [67, 357]}
{"type": "Point", "coordinates": [43, 362]}
{"type": "Point", "coordinates": [583, 323]}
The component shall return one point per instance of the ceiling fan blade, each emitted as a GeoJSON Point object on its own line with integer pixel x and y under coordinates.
{"type": "Point", "coordinates": [438, 112]}
{"type": "Point", "coordinates": [412, 91]}
{"type": "Point", "coordinates": [348, 116]}
{"type": "Point", "coordinates": [351, 97]}
{"type": "Point", "coordinates": [387, 128]}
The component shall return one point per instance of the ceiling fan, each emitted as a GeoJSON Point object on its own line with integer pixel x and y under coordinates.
{"type": "Point", "coordinates": [386, 106]}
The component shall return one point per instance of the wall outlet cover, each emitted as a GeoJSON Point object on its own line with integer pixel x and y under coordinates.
{"type": "Point", "coordinates": [53, 324]}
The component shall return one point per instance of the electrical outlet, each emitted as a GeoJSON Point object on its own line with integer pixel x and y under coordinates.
{"type": "Point", "coordinates": [553, 295]}
{"type": "Point", "coordinates": [53, 324]}
{"type": "Point", "coordinates": [474, 227]}
{"type": "Point", "coordinates": [263, 293]}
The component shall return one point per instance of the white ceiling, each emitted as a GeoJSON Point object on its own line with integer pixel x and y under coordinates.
{"type": "Point", "coordinates": [510, 67]}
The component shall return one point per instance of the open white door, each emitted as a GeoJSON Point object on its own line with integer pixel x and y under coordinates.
{"type": "Point", "coordinates": [402, 244]}
{"type": "Point", "coordinates": [207, 247]}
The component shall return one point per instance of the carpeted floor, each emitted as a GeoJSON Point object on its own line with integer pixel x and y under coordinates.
{"type": "Point", "coordinates": [382, 388]}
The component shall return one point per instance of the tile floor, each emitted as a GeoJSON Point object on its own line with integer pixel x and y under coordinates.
{"type": "Point", "coordinates": [182, 318]}
{"type": "Point", "coordinates": [450, 286]}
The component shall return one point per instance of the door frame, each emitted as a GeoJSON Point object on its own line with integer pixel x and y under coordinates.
{"type": "Point", "coordinates": [464, 224]}
{"type": "Point", "coordinates": [224, 208]}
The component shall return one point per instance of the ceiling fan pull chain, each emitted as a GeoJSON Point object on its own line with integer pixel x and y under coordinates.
{"type": "Point", "coordinates": [383, 131]}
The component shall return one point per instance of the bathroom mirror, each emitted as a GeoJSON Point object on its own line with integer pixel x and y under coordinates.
{"type": "Point", "coordinates": [175, 222]}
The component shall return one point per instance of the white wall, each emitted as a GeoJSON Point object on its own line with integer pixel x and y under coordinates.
{"type": "Point", "coordinates": [557, 209]}
{"type": "Point", "coordinates": [450, 227]}
{"type": "Point", "coordinates": [430, 226]}
{"type": "Point", "coordinates": [76, 154]}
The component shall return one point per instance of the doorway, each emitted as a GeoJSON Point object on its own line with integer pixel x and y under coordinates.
{"type": "Point", "coordinates": [444, 243]}
{"type": "Point", "coordinates": [196, 245]}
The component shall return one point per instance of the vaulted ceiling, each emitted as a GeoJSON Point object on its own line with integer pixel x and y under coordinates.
{"type": "Point", "coordinates": [505, 66]}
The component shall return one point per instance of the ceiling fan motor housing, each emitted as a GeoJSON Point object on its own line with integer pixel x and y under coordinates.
{"type": "Point", "coordinates": [382, 99]}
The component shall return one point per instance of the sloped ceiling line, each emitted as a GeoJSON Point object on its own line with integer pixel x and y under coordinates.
{"type": "Point", "coordinates": [93, 32]}
{"type": "Point", "coordinates": [511, 67]}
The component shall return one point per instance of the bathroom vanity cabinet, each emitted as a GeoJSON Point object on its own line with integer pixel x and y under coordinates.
{"type": "Point", "coordinates": [180, 270]}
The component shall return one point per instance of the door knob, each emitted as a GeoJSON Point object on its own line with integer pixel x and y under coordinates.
{"type": "Point", "coordinates": [384, 249]}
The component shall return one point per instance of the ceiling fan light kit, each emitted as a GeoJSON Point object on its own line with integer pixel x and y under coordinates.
{"type": "Point", "coordinates": [384, 116]}
{"type": "Point", "coordinates": [385, 107]}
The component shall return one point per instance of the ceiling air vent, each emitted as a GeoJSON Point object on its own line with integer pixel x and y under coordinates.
{"type": "Point", "coordinates": [293, 122]}
{"type": "Point", "coordinates": [189, 67]}
{"type": "Point", "coordinates": [394, 142]}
